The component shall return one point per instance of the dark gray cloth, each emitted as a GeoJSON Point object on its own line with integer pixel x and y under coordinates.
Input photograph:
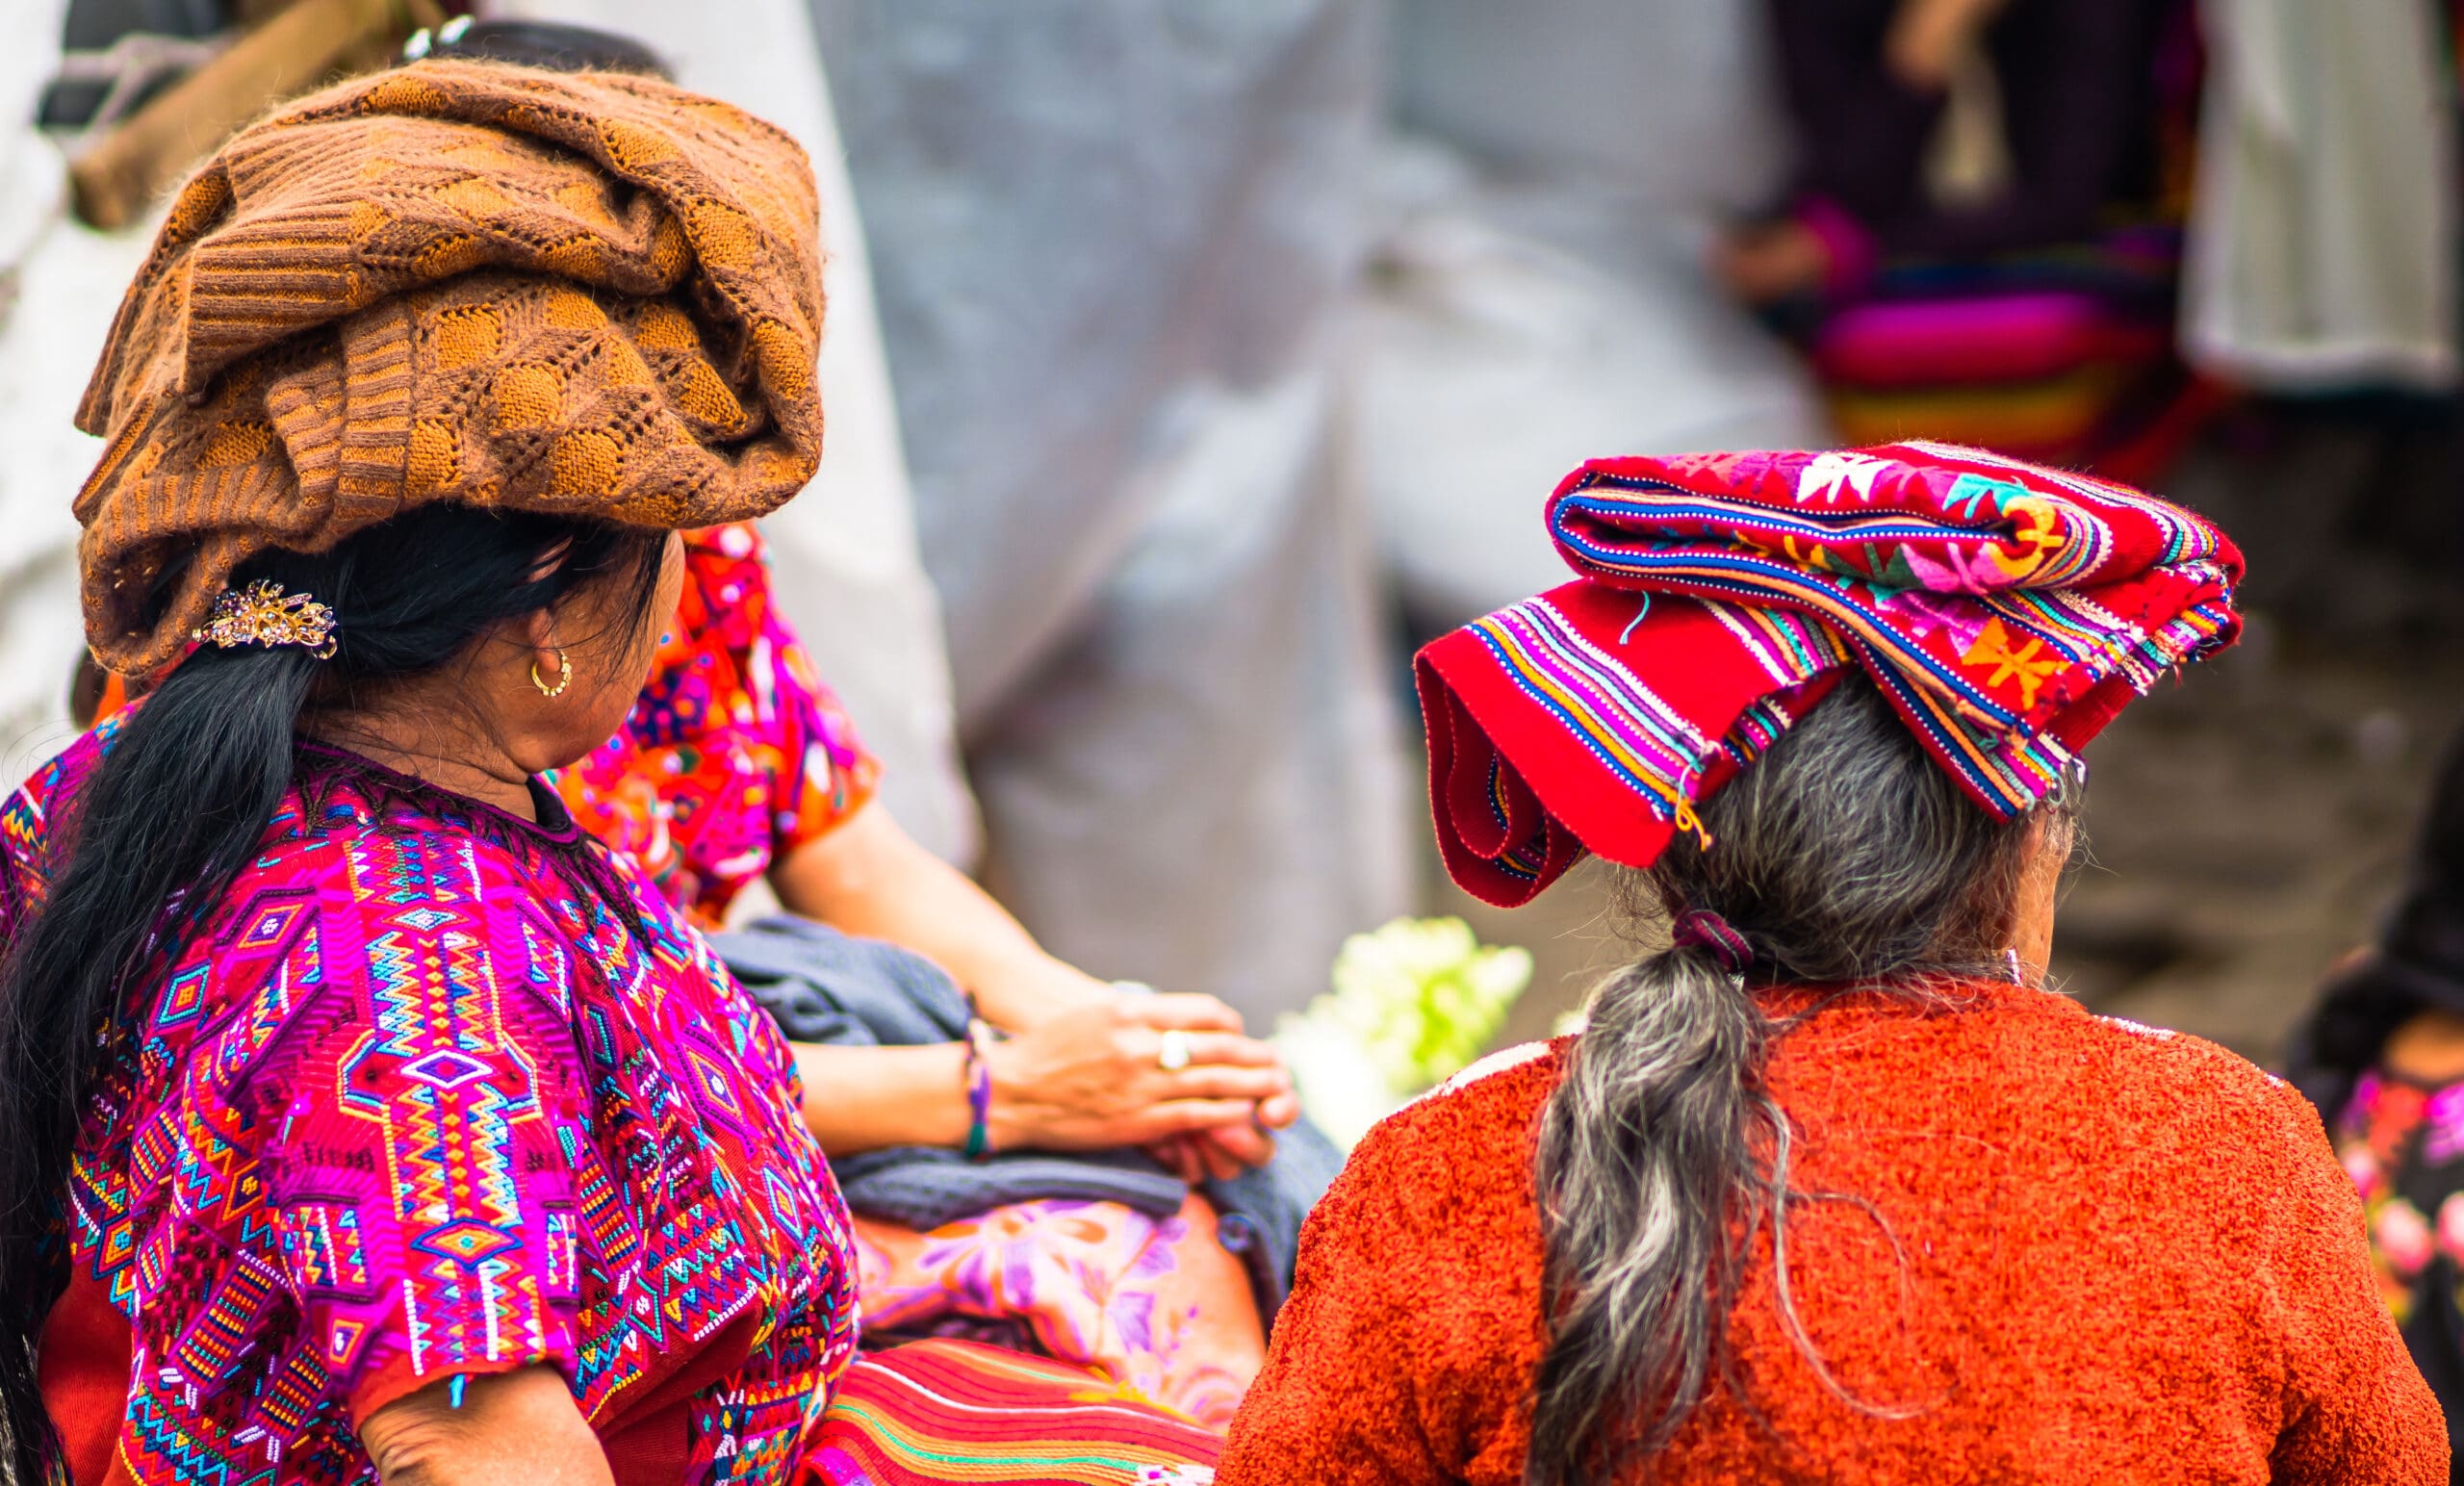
{"type": "Point", "coordinates": [821, 986]}
{"type": "Point", "coordinates": [1259, 1212]}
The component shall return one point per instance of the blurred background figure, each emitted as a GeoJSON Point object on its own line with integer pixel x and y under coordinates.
{"type": "Point", "coordinates": [1981, 229]}
{"type": "Point", "coordinates": [2381, 1056]}
{"type": "Point", "coordinates": [1539, 291]}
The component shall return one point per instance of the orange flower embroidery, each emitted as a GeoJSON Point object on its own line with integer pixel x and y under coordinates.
{"type": "Point", "coordinates": [2029, 664]}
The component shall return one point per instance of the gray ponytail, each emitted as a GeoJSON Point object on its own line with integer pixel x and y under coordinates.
{"type": "Point", "coordinates": [1843, 855]}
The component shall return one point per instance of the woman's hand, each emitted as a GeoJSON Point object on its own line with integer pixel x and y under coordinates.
{"type": "Point", "coordinates": [1084, 1079]}
{"type": "Point", "coordinates": [1927, 37]}
{"type": "Point", "coordinates": [513, 1426]}
{"type": "Point", "coordinates": [1093, 1078]}
{"type": "Point", "coordinates": [1769, 262]}
{"type": "Point", "coordinates": [1080, 1070]}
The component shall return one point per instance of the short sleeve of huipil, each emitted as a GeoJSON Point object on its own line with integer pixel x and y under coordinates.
{"type": "Point", "coordinates": [425, 1149]}
{"type": "Point", "coordinates": [26, 820]}
{"type": "Point", "coordinates": [736, 752]}
{"type": "Point", "coordinates": [21, 859]}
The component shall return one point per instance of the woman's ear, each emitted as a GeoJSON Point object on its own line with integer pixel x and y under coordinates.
{"type": "Point", "coordinates": [539, 629]}
{"type": "Point", "coordinates": [549, 666]}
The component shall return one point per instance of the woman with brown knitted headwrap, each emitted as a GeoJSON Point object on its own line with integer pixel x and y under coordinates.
{"type": "Point", "coordinates": [737, 767]}
{"type": "Point", "coordinates": [359, 1116]}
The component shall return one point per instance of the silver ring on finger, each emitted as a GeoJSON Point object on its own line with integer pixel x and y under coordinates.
{"type": "Point", "coordinates": [1175, 1055]}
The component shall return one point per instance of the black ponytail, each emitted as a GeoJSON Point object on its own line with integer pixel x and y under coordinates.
{"type": "Point", "coordinates": [175, 808]}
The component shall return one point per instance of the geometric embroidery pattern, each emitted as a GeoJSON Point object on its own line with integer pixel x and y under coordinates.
{"type": "Point", "coordinates": [438, 1091]}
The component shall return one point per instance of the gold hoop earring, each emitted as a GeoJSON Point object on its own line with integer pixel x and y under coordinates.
{"type": "Point", "coordinates": [564, 677]}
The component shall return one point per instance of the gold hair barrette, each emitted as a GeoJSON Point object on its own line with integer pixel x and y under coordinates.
{"type": "Point", "coordinates": [263, 614]}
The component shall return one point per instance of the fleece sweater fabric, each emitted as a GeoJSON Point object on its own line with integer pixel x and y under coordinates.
{"type": "Point", "coordinates": [2094, 1252]}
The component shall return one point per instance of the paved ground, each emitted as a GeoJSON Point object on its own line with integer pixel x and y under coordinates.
{"type": "Point", "coordinates": [2250, 823]}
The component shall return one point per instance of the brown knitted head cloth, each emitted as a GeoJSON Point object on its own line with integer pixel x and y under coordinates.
{"type": "Point", "coordinates": [593, 295]}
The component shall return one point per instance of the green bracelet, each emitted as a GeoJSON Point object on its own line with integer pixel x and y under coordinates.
{"type": "Point", "coordinates": [978, 1088]}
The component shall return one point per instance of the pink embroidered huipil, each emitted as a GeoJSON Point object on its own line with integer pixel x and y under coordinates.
{"type": "Point", "coordinates": [436, 1090]}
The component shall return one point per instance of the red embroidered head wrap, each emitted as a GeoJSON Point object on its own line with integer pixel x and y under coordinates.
{"type": "Point", "coordinates": [2008, 611]}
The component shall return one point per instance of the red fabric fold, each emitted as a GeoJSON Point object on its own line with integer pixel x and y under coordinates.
{"type": "Point", "coordinates": [2009, 611]}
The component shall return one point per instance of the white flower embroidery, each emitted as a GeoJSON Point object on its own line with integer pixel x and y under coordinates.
{"type": "Point", "coordinates": [1826, 474]}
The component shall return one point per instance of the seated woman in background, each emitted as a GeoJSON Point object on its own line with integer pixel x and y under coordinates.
{"type": "Point", "coordinates": [2381, 1055]}
{"type": "Point", "coordinates": [1866, 84]}
{"type": "Point", "coordinates": [737, 765]}
{"type": "Point", "coordinates": [360, 1115]}
{"type": "Point", "coordinates": [1833, 1187]}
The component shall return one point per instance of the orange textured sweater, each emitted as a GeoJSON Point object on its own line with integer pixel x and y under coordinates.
{"type": "Point", "coordinates": [2130, 1257]}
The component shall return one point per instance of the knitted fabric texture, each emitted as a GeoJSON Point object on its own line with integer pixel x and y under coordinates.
{"type": "Point", "coordinates": [2009, 612]}
{"type": "Point", "coordinates": [2045, 1248]}
{"type": "Point", "coordinates": [585, 294]}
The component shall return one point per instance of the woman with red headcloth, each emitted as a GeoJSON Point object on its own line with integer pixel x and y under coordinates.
{"type": "Point", "coordinates": [1833, 1187]}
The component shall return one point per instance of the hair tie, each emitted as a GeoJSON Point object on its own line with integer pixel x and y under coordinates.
{"type": "Point", "coordinates": [263, 614]}
{"type": "Point", "coordinates": [1703, 929]}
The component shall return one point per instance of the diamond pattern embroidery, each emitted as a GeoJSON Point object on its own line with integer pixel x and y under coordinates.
{"type": "Point", "coordinates": [350, 1089]}
{"type": "Point", "coordinates": [468, 1240]}
{"type": "Point", "coordinates": [446, 1069]}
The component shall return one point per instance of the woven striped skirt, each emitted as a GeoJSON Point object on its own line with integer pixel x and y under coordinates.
{"type": "Point", "coordinates": [955, 1410]}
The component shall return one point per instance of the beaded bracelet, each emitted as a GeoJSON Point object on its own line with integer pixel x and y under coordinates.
{"type": "Point", "coordinates": [978, 1088]}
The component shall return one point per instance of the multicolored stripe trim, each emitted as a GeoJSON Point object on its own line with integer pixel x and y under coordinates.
{"type": "Point", "coordinates": [1747, 580]}
{"type": "Point", "coordinates": [2063, 633]}
{"type": "Point", "coordinates": [2006, 773]}
{"type": "Point", "coordinates": [1647, 744]}
{"type": "Point", "coordinates": [1527, 858]}
{"type": "Point", "coordinates": [947, 1411]}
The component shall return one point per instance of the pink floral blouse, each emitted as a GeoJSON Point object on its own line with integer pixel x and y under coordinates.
{"type": "Point", "coordinates": [736, 754]}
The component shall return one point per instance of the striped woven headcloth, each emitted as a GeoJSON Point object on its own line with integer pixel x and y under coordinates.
{"type": "Point", "coordinates": [2009, 611]}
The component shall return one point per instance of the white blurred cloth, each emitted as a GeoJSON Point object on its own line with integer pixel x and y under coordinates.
{"type": "Point", "coordinates": [1539, 296]}
{"type": "Point", "coordinates": [2323, 246]}
{"type": "Point", "coordinates": [1514, 331]}
{"type": "Point", "coordinates": [844, 554]}
{"type": "Point", "coordinates": [59, 284]}
{"type": "Point", "coordinates": [1669, 103]}
{"type": "Point", "coordinates": [1113, 240]}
